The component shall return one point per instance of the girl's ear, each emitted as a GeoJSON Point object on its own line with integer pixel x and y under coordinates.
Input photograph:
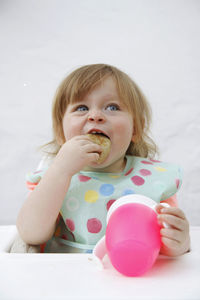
{"type": "Point", "coordinates": [137, 131]}
{"type": "Point", "coordinates": [133, 138]}
{"type": "Point", "coordinates": [134, 135]}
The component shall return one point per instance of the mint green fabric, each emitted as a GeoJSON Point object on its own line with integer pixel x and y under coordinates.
{"type": "Point", "coordinates": [90, 195]}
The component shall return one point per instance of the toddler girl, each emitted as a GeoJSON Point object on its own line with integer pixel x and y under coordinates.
{"type": "Point", "coordinates": [73, 190]}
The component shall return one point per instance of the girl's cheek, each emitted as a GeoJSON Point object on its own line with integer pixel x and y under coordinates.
{"type": "Point", "coordinates": [71, 128]}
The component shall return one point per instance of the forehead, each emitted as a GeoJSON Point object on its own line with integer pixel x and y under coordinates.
{"type": "Point", "coordinates": [107, 86]}
{"type": "Point", "coordinates": [106, 89]}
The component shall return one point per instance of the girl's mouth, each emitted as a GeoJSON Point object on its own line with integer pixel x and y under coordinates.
{"type": "Point", "coordinates": [98, 133]}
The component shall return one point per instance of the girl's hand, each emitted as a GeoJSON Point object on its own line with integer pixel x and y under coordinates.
{"type": "Point", "coordinates": [175, 239]}
{"type": "Point", "coordinates": [77, 153]}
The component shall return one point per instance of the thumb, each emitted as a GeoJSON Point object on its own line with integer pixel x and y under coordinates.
{"type": "Point", "coordinates": [158, 208]}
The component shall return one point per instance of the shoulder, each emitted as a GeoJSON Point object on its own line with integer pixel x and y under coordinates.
{"type": "Point", "coordinates": [34, 177]}
{"type": "Point", "coordinates": [163, 177]}
{"type": "Point", "coordinates": [159, 166]}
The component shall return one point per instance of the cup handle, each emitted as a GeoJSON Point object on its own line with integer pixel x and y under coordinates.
{"type": "Point", "coordinates": [99, 252]}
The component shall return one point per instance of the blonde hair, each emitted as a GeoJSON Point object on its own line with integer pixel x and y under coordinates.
{"type": "Point", "coordinates": [84, 79]}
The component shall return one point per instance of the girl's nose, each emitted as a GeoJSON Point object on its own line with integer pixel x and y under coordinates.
{"type": "Point", "coordinates": [96, 116]}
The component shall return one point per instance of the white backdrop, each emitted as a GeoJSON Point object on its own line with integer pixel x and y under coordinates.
{"type": "Point", "coordinates": [156, 42]}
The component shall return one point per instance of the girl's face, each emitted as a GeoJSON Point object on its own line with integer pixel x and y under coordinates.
{"type": "Point", "coordinates": [102, 110]}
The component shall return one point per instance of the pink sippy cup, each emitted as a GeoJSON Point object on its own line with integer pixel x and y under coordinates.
{"type": "Point", "coordinates": [132, 240]}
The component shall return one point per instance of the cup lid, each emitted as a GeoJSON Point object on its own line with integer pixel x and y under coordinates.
{"type": "Point", "coordinates": [132, 198]}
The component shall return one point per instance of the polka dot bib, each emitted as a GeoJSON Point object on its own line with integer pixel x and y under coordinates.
{"type": "Point", "coordinates": [90, 195]}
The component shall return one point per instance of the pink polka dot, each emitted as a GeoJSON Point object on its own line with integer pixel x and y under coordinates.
{"type": "Point", "coordinates": [83, 178]}
{"type": "Point", "coordinates": [137, 180]}
{"type": "Point", "coordinates": [145, 172]}
{"type": "Point", "coordinates": [177, 183]}
{"type": "Point", "coordinates": [70, 224]}
{"type": "Point", "coordinates": [146, 162]}
{"type": "Point", "coordinates": [94, 225]}
{"type": "Point", "coordinates": [129, 172]}
{"type": "Point", "coordinates": [109, 203]}
{"type": "Point", "coordinates": [156, 161]}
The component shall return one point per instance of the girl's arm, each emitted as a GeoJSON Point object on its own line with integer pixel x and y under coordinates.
{"type": "Point", "coordinates": [37, 217]}
{"type": "Point", "coordinates": [175, 239]}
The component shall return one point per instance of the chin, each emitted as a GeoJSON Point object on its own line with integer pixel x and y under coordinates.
{"type": "Point", "coordinates": [109, 166]}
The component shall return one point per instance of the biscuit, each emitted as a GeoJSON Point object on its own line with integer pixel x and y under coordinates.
{"type": "Point", "coordinates": [105, 144]}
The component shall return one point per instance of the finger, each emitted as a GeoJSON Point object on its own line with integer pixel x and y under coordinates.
{"type": "Point", "coordinates": [81, 138]}
{"type": "Point", "coordinates": [90, 148]}
{"type": "Point", "coordinates": [169, 243]}
{"type": "Point", "coordinates": [93, 157]}
{"type": "Point", "coordinates": [158, 208]}
{"type": "Point", "coordinates": [173, 211]}
{"type": "Point", "coordinates": [172, 234]}
{"type": "Point", "coordinates": [174, 221]}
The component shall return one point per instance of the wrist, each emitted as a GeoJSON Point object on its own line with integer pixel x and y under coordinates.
{"type": "Point", "coordinates": [65, 162]}
{"type": "Point", "coordinates": [58, 167]}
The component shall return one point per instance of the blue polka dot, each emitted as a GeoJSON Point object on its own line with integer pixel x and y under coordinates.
{"type": "Point", "coordinates": [106, 189]}
{"type": "Point", "coordinates": [128, 192]}
{"type": "Point", "coordinates": [89, 251]}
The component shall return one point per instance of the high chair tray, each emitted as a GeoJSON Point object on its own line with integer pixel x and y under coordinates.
{"type": "Point", "coordinates": [78, 276]}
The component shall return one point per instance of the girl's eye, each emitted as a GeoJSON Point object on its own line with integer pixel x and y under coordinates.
{"type": "Point", "coordinates": [81, 108]}
{"type": "Point", "coordinates": [112, 107]}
